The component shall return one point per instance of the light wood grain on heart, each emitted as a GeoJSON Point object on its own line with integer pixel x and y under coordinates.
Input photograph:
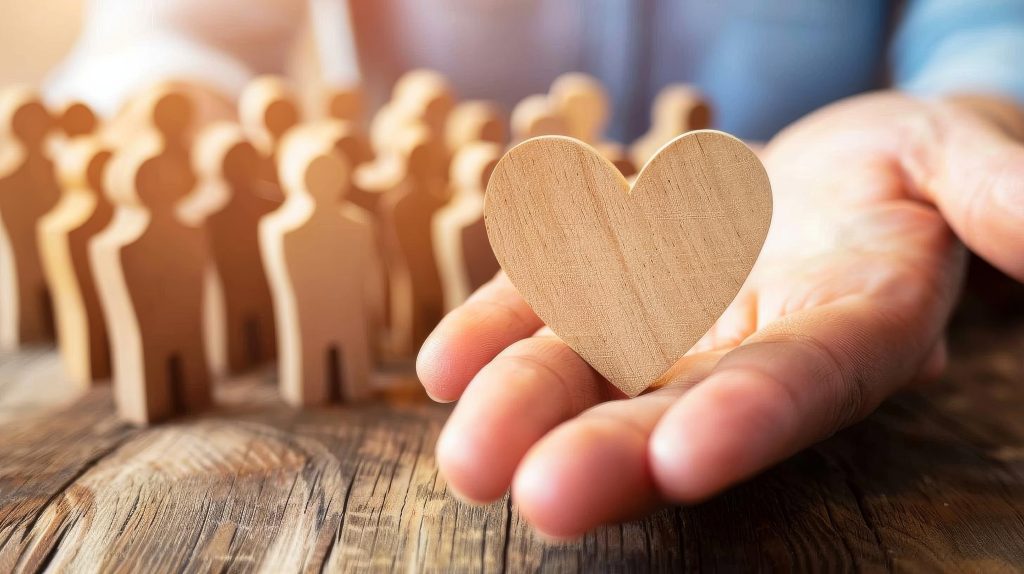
{"type": "Point", "coordinates": [630, 279]}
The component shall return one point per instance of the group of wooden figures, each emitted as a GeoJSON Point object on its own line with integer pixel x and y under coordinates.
{"type": "Point", "coordinates": [163, 248]}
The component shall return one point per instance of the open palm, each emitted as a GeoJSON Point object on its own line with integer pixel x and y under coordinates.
{"type": "Point", "coordinates": [847, 303]}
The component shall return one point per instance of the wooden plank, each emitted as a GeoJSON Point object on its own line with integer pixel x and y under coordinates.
{"type": "Point", "coordinates": [42, 460]}
{"type": "Point", "coordinates": [932, 482]}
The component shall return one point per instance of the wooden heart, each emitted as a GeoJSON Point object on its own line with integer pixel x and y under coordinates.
{"type": "Point", "coordinates": [630, 278]}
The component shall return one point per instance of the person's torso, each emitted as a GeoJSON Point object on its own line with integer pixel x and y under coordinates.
{"type": "Point", "coordinates": [762, 64]}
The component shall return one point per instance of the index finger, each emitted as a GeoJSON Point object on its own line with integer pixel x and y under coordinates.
{"type": "Point", "coordinates": [472, 335]}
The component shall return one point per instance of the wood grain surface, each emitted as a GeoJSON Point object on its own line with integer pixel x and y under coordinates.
{"type": "Point", "coordinates": [932, 482]}
{"type": "Point", "coordinates": [628, 276]}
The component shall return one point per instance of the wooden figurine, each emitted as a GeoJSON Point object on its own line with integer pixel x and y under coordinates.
{"type": "Point", "coordinates": [242, 329]}
{"type": "Point", "coordinates": [322, 269]}
{"type": "Point", "coordinates": [389, 120]}
{"type": "Point", "coordinates": [584, 104]}
{"type": "Point", "coordinates": [368, 179]}
{"type": "Point", "coordinates": [406, 211]}
{"type": "Point", "coordinates": [208, 105]}
{"type": "Point", "coordinates": [346, 104]}
{"type": "Point", "coordinates": [629, 276]}
{"type": "Point", "coordinates": [73, 120]}
{"type": "Point", "coordinates": [353, 145]}
{"type": "Point", "coordinates": [535, 116]}
{"type": "Point", "coordinates": [371, 181]}
{"type": "Point", "coordinates": [425, 96]}
{"type": "Point", "coordinates": [475, 121]}
{"type": "Point", "coordinates": [77, 119]}
{"type": "Point", "coordinates": [64, 236]}
{"type": "Point", "coordinates": [28, 189]}
{"type": "Point", "coordinates": [149, 267]}
{"type": "Point", "coordinates": [419, 97]}
{"type": "Point", "coordinates": [267, 108]}
{"type": "Point", "coordinates": [464, 257]}
{"type": "Point", "coordinates": [677, 109]}
{"type": "Point", "coordinates": [348, 140]}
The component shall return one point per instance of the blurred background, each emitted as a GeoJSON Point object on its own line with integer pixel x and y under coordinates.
{"type": "Point", "coordinates": [34, 36]}
{"type": "Point", "coordinates": [749, 58]}
{"type": "Point", "coordinates": [37, 36]}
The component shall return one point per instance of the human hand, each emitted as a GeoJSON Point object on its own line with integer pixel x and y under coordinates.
{"type": "Point", "coordinates": [847, 303]}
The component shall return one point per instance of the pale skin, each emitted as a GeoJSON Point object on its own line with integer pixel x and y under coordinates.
{"type": "Point", "coordinates": [877, 199]}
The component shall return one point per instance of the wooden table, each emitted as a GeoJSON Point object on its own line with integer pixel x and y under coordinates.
{"type": "Point", "coordinates": [934, 481]}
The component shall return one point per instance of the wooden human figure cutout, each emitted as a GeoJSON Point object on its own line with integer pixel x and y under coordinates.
{"type": "Point", "coordinates": [28, 189]}
{"type": "Point", "coordinates": [77, 119]}
{"type": "Point", "coordinates": [677, 109]}
{"type": "Point", "coordinates": [149, 267]}
{"type": "Point", "coordinates": [64, 236]}
{"type": "Point", "coordinates": [419, 97]}
{"type": "Point", "coordinates": [267, 108]}
{"type": "Point", "coordinates": [584, 104]}
{"type": "Point", "coordinates": [373, 178]}
{"type": "Point", "coordinates": [464, 255]}
{"type": "Point", "coordinates": [352, 144]}
{"type": "Point", "coordinates": [406, 212]}
{"type": "Point", "coordinates": [348, 140]}
{"type": "Point", "coordinates": [72, 120]}
{"type": "Point", "coordinates": [364, 193]}
{"type": "Point", "coordinates": [535, 116]}
{"type": "Point", "coordinates": [209, 105]}
{"type": "Point", "coordinates": [475, 121]}
{"type": "Point", "coordinates": [243, 330]}
{"type": "Point", "coordinates": [425, 96]}
{"type": "Point", "coordinates": [346, 104]}
{"type": "Point", "coordinates": [369, 179]}
{"type": "Point", "coordinates": [385, 123]}
{"type": "Point", "coordinates": [320, 262]}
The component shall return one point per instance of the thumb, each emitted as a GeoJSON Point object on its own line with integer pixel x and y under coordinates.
{"type": "Point", "coordinates": [967, 162]}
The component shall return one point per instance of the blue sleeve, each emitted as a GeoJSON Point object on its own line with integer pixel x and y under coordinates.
{"type": "Point", "coordinates": [960, 46]}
